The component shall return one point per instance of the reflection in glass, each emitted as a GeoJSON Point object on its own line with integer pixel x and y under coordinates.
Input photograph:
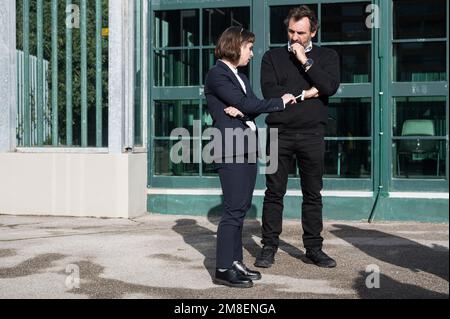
{"type": "Point", "coordinates": [344, 22]}
{"type": "Point", "coordinates": [164, 165]}
{"type": "Point", "coordinates": [175, 114]}
{"type": "Point", "coordinates": [278, 31]}
{"type": "Point", "coordinates": [348, 159]}
{"type": "Point", "coordinates": [176, 68]}
{"type": "Point", "coordinates": [209, 60]}
{"type": "Point", "coordinates": [419, 123]}
{"type": "Point", "coordinates": [420, 62]}
{"type": "Point", "coordinates": [418, 19]}
{"type": "Point", "coordinates": [419, 158]}
{"type": "Point", "coordinates": [355, 63]}
{"type": "Point", "coordinates": [176, 28]}
{"type": "Point", "coordinates": [207, 120]}
{"type": "Point", "coordinates": [216, 20]}
{"type": "Point", "coordinates": [349, 117]}
{"type": "Point", "coordinates": [428, 108]}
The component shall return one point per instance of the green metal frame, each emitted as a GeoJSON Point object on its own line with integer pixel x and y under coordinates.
{"type": "Point", "coordinates": [401, 89]}
{"type": "Point", "coordinates": [179, 93]}
{"type": "Point", "coordinates": [381, 90]}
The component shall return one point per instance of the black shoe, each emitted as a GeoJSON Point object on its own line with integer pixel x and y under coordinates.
{"type": "Point", "coordinates": [232, 278]}
{"type": "Point", "coordinates": [266, 257]}
{"type": "Point", "coordinates": [319, 258]}
{"type": "Point", "coordinates": [243, 270]}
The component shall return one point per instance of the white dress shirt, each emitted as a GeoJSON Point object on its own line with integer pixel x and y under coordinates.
{"type": "Point", "coordinates": [235, 71]}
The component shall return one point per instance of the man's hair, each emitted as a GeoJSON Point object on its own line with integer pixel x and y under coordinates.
{"type": "Point", "coordinates": [230, 42]}
{"type": "Point", "coordinates": [301, 12]}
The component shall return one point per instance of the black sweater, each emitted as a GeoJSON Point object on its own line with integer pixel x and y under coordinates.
{"type": "Point", "coordinates": [282, 73]}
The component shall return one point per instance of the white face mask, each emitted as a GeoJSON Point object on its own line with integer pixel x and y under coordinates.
{"type": "Point", "coordinates": [308, 48]}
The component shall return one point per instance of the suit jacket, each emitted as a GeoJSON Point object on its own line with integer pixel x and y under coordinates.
{"type": "Point", "coordinates": [222, 89]}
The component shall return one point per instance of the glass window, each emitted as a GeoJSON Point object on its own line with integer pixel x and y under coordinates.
{"type": "Point", "coordinates": [419, 158]}
{"type": "Point", "coordinates": [418, 19]}
{"type": "Point", "coordinates": [176, 67]}
{"type": "Point", "coordinates": [209, 60]}
{"type": "Point", "coordinates": [278, 31]}
{"type": "Point", "coordinates": [349, 117]}
{"type": "Point", "coordinates": [356, 63]}
{"type": "Point", "coordinates": [207, 120]}
{"type": "Point", "coordinates": [344, 22]}
{"type": "Point", "coordinates": [177, 28]}
{"type": "Point", "coordinates": [349, 120]}
{"type": "Point", "coordinates": [170, 115]}
{"type": "Point", "coordinates": [208, 169]}
{"type": "Point", "coordinates": [348, 159]}
{"type": "Point", "coordinates": [216, 20]}
{"type": "Point", "coordinates": [420, 108]}
{"type": "Point", "coordinates": [164, 166]}
{"type": "Point", "coordinates": [420, 62]}
{"type": "Point", "coordinates": [419, 143]}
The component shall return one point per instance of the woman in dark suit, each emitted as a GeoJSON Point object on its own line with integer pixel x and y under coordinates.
{"type": "Point", "coordinates": [236, 164]}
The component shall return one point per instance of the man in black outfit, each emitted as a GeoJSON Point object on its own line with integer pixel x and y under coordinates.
{"type": "Point", "coordinates": [312, 73]}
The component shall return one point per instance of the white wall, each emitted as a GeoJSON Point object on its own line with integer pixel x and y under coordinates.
{"type": "Point", "coordinates": [94, 185]}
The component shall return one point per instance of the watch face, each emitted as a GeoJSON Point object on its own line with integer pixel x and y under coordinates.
{"type": "Point", "coordinates": [308, 63]}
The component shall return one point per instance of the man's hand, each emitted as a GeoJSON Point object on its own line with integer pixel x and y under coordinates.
{"type": "Point", "coordinates": [233, 112]}
{"type": "Point", "coordinates": [299, 52]}
{"type": "Point", "coordinates": [312, 93]}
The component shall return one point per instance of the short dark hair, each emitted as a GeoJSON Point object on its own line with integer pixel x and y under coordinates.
{"type": "Point", "coordinates": [230, 42]}
{"type": "Point", "coordinates": [301, 12]}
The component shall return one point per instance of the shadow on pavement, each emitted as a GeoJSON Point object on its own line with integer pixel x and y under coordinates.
{"type": "Point", "coordinates": [252, 228]}
{"type": "Point", "coordinates": [397, 250]}
{"type": "Point", "coordinates": [400, 252]}
{"type": "Point", "coordinates": [393, 289]}
{"type": "Point", "coordinates": [200, 238]}
{"type": "Point", "coordinates": [32, 266]}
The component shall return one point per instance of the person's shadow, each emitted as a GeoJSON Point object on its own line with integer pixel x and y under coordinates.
{"type": "Point", "coordinates": [204, 239]}
{"type": "Point", "coordinates": [397, 250]}
{"type": "Point", "coordinates": [393, 289]}
{"type": "Point", "coordinates": [252, 229]}
{"type": "Point", "coordinates": [201, 238]}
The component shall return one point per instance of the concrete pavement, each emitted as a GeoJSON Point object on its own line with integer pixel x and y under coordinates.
{"type": "Point", "coordinates": [164, 256]}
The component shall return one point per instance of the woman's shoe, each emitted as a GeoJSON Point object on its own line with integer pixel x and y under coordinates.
{"type": "Point", "coordinates": [243, 270]}
{"type": "Point", "coordinates": [232, 278]}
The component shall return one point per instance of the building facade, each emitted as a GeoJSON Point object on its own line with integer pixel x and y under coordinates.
{"type": "Point", "coordinates": [387, 135]}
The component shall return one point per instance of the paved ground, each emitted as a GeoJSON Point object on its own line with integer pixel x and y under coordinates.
{"type": "Point", "coordinates": [173, 257]}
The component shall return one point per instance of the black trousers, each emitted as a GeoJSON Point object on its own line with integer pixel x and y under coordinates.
{"type": "Point", "coordinates": [238, 182]}
{"type": "Point", "coordinates": [309, 150]}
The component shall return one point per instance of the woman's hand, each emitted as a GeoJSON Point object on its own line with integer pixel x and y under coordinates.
{"type": "Point", "coordinates": [233, 112]}
{"type": "Point", "coordinates": [288, 98]}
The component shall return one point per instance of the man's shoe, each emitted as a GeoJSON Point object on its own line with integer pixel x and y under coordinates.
{"type": "Point", "coordinates": [266, 257]}
{"type": "Point", "coordinates": [243, 270]}
{"type": "Point", "coordinates": [232, 278]}
{"type": "Point", "coordinates": [319, 258]}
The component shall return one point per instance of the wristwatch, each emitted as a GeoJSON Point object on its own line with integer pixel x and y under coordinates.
{"type": "Point", "coordinates": [308, 63]}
